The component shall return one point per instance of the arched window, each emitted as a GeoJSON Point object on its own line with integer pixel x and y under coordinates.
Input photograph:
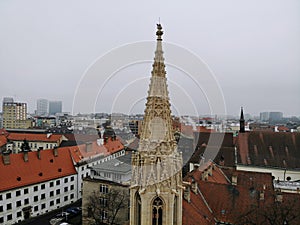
{"type": "Point", "coordinates": [138, 209]}
{"type": "Point", "coordinates": [157, 211]}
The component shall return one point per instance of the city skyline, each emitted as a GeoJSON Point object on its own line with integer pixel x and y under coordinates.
{"type": "Point", "coordinates": [251, 48]}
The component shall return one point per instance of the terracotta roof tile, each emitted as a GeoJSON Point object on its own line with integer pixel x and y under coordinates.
{"type": "Point", "coordinates": [20, 173]}
{"type": "Point", "coordinates": [34, 137]}
{"type": "Point", "coordinates": [3, 140]}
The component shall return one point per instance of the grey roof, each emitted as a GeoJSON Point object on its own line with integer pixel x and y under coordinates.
{"type": "Point", "coordinates": [119, 165]}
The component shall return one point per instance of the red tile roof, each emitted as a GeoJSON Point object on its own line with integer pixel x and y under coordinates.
{"type": "Point", "coordinates": [91, 150]}
{"type": "Point", "coordinates": [34, 137]}
{"type": "Point", "coordinates": [3, 140]}
{"type": "Point", "coordinates": [20, 173]}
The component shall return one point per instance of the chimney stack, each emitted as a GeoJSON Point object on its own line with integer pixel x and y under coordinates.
{"type": "Point", "coordinates": [89, 146]}
{"type": "Point", "coordinates": [25, 156]}
{"type": "Point", "coordinates": [6, 157]}
{"type": "Point", "coordinates": [55, 151]}
{"type": "Point", "coordinates": [39, 153]}
{"type": "Point", "coordinates": [234, 179]}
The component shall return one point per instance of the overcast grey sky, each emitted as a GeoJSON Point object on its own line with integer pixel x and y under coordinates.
{"type": "Point", "coordinates": [251, 46]}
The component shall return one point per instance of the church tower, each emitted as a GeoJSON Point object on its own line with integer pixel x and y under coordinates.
{"type": "Point", "coordinates": [156, 183]}
{"type": "Point", "coordinates": [242, 122]}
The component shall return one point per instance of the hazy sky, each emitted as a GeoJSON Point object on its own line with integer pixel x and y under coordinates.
{"type": "Point", "coordinates": [251, 46]}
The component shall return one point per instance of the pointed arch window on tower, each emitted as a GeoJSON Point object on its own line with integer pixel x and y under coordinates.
{"type": "Point", "coordinates": [157, 211]}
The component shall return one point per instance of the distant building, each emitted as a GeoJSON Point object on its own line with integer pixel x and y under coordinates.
{"type": "Point", "coordinates": [55, 107]}
{"type": "Point", "coordinates": [264, 116]}
{"type": "Point", "coordinates": [14, 114]}
{"type": "Point", "coordinates": [42, 107]}
{"type": "Point", "coordinates": [275, 116]}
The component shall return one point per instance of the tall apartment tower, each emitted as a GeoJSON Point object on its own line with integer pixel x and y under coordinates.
{"type": "Point", "coordinates": [42, 107]}
{"type": "Point", "coordinates": [156, 183]}
{"type": "Point", "coordinates": [14, 114]}
{"type": "Point", "coordinates": [55, 107]}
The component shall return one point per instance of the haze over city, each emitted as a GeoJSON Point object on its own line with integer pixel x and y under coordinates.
{"type": "Point", "coordinates": [252, 48]}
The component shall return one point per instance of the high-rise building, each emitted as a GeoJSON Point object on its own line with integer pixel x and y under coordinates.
{"type": "Point", "coordinates": [264, 116]}
{"type": "Point", "coordinates": [275, 116]}
{"type": "Point", "coordinates": [42, 107]}
{"type": "Point", "coordinates": [14, 114]}
{"type": "Point", "coordinates": [55, 107]}
{"type": "Point", "coordinates": [156, 183]}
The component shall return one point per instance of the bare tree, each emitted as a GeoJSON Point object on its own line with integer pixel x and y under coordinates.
{"type": "Point", "coordinates": [108, 208]}
{"type": "Point", "coordinates": [277, 212]}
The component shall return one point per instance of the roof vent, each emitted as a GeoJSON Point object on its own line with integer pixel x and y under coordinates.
{"type": "Point", "coordinates": [18, 178]}
{"type": "Point", "coordinates": [59, 170]}
{"type": "Point", "coordinates": [40, 174]}
{"type": "Point", "coordinates": [51, 160]}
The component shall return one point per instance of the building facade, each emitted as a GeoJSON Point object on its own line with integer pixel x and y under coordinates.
{"type": "Point", "coordinates": [55, 107]}
{"type": "Point", "coordinates": [14, 115]}
{"type": "Point", "coordinates": [34, 183]}
{"type": "Point", "coordinates": [156, 183]}
{"type": "Point", "coordinates": [42, 107]}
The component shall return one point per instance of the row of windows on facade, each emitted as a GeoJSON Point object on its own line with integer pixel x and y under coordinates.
{"type": "Point", "coordinates": [35, 208]}
{"type": "Point", "coordinates": [36, 198]}
{"type": "Point", "coordinates": [19, 144]}
{"type": "Point", "coordinates": [36, 188]}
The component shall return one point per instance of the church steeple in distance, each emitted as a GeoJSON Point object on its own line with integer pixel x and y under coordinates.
{"type": "Point", "coordinates": [156, 183]}
{"type": "Point", "coordinates": [242, 121]}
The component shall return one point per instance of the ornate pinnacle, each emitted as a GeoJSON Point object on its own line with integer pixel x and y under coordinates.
{"type": "Point", "coordinates": [159, 32]}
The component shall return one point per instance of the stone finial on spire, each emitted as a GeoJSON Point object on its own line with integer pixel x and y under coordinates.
{"type": "Point", "coordinates": [159, 32]}
{"type": "Point", "coordinates": [242, 121]}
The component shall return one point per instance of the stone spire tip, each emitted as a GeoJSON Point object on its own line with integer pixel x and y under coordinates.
{"type": "Point", "coordinates": [159, 32]}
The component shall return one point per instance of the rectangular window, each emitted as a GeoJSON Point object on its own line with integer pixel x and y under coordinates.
{"type": "Point", "coordinates": [43, 186]}
{"type": "Point", "coordinates": [18, 193]}
{"type": "Point", "coordinates": [43, 196]}
{"type": "Point", "coordinates": [71, 196]}
{"type": "Point", "coordinates": [103, 189]}
{"type": "Point", "coordinates": [1, 208]}
{"type": "Point", "coordinates": [57, 201]}
{"type": "Point", "coordinates": [43, 205]}
{"type": "Point", "coordinates": [1, 197]}
{"type": "Point", "coordinates": [18, 203]}
{"type": "Point", "coordinates": [8, 195]}
{"type": "Point", "coordinates": [66, 180]}
{"type": "Point", "coordinates": [66, 189]}
{"type": "Point", "coordinates": [51, 193]}
{"type": "Point", "coordinates": [26, 201]}
{"type": "Point", "coordinates": [19, 214]}
{"type": "Point", "coordinates": [58, 191]}
{"type": "Point", "coordinates": [58, 182]}
{"type": "Point", "coordinates": [66, 198]}
{"type": "Point", "coordinates": [8, 206]}
{"type": "Point", "coordinates": [51, 203]}
{"type": "Point", "coordinates": [51, 184]}
{"type": "Point", "coordinates": [36, 208]}
{"type": "Point", "coordinates": [1, 219]}
{"type": "Point", "coordinates": [9, 217]}
{"type": "Point", "coordinates": [25, 191]}
{"type": "Point", "coordinates": [35, 198]}
{"type": "Point", "coordinates": [103, 202]}
{"type": "Point", "coordinates": [72, 187]}
{"type": "Point", "coordinates": [35, 188]}
{"type": "Point", "coordinates": [72, 178]}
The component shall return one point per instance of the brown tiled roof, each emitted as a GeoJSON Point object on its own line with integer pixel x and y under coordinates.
{"type": "Point", "coordinates": [230, 203]}
{"type": "Point", "coordinates": [81, 152]}
{"type": "Point", "coordinates": [270, 149]}
{"type": "Point", "coordinates": [34, 137]}
{"type": "Point", "coordinates": [3, 140]}
{"type": "Point", "coordinates": [20, 173]}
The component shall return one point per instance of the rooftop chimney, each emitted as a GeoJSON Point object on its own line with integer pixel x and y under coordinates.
{"type": "Point", "coordinates": [234, 179]}
{"type": "Point", "coordinates": [39, 153]}
{"type": "Point", "coordinates": [89, 146]}
{"type": "Point", "coordinates": [6, 157]}
{"type": "Point", "coordinates": [55, 151]}
{"type": "Point", "coordinates": [25, 156]}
